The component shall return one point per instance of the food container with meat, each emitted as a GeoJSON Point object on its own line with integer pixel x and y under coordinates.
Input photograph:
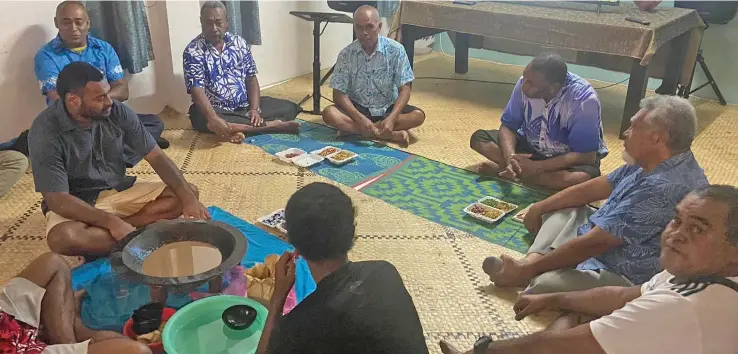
{"type": "Point", "coordinates": [290, 154]}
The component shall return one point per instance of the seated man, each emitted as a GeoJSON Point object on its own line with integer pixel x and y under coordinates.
{"type": "Point", "coordinates": [690, 307]}
{"type": "Point", "coordinates": [551, 132]}
{"type": "Point", "coordinates": [76, 150]}
{"type": "Point", "coordinates": [74, 44]}
{"type": "Point", "coordinates": [371, 85]}
{"type": "Point", "coordinates": [39, 313]}
{"type": "Point", "coordinates": [220, 75]}
{"type": "Point", "coordinates": [357, 307]}
{"type": "Point", "coordinates": [13, 165]}
{"type": "Point", "coordinates": [577, 248]}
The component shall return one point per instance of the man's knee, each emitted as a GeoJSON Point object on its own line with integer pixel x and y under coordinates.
{"type": "Point", "coordinates": [480, 138]}
{"type": "Point", "coordinates": [65, 238]}
{"type": "Point", "coordinates": [330, 113]}
{"type": "Point", "coordinates": [54, 261]}
{"type": "Point", "coordinates": [420, 115]}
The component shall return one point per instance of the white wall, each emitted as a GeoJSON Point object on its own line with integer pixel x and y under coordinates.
{"type": "Point", "coordinates": [287, 52]}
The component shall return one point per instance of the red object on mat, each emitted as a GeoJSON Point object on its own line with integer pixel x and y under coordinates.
{"type": "Point", "coordinates": [156, 348]}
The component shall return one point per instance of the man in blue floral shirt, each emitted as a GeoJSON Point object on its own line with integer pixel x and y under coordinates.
{"type": "Point", "coordinates": [577, 248]}
{"type": "Point", "coordinates": [371, 85]}
{"type": "Point", "coordinates": [220, 75]}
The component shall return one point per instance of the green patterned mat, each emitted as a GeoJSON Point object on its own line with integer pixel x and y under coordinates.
{"type": "Point", "coordinates": [439, 192]}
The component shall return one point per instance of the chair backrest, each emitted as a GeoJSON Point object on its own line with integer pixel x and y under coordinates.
{"type": "Point", "coordinates": [717, 12]}
{"type": "Point", "coordinates": [349, 6]}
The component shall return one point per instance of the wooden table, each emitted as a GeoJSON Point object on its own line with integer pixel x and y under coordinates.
{"type": "Point", "coordinates": [576, 31]}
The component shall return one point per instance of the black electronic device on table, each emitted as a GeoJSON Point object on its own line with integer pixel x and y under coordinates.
{"type": "Point", "coordinates": [642, 21]}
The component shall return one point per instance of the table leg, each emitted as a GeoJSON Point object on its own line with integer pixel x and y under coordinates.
{"type": "Point", "coordinates": [677, 49]}
{"type": "Point", "coordinates": [408, 41]}
{"type": "Point", "coordinates": [636, 91]}
{"type": "Point", "coordinates": [316, 67]}
{"type": "Point", "coordinates": [461, 53]}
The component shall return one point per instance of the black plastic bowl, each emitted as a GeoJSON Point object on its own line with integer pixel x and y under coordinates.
{"type": "Point", "coordinates": [128, 255]}
{"type": "Point", "coordinates": [239, 317]}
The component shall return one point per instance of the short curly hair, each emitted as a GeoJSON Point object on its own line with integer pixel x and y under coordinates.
{"type": "Point", "coordinates": [320, 222]}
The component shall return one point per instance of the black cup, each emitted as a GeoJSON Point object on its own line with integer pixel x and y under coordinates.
{"type": "Point", "coordinates": [239, 317]}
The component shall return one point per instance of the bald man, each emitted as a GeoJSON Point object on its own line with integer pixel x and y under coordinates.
{"type": "Point", "coordinates": [371, 86]}
{"type": "Point", "coordinates": [72, 44]}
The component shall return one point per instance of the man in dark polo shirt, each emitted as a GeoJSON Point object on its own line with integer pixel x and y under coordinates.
{"type": "Point", "coordinates": [357, 307]}
{"type": "Point", "coordinates": [76, 148]}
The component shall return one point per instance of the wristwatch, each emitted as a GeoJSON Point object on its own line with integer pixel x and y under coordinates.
{"type": "Point", "coordinates": [481, 345]}
{"type": "Point", "coordinates": [258, 110]}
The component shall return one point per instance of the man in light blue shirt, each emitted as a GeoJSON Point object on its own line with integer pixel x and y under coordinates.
{"type": "Point", "coordinates": [551, 133]}
{"type": "Point", "coordinates": [371, 86]}
{"type": "Point", "coordinates": [577, 248]}
{"type": "Point", "coordinates": [75, 44]}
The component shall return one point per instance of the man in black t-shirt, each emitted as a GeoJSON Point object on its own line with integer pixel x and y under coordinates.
{"type": "Point", "coordinates": [357, 307]}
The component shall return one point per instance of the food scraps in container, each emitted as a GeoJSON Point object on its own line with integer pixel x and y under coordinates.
{"type": "Point", "coordinates": [343, 155]}
{"type": "Point", "coordinates": [486, 212]}
{"type": "Point", "coordinates": [328, 151]}
{"type": "Point", "coordinates": [498, 204]}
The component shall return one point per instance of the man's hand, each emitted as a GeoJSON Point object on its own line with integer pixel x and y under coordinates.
{"type": "Point", "coordinates": [119, 229]}
{"type": "Point", "coordinates": [284, 278]}
{"type": "Point", "coordinates": [532, 304]}
{"type": "Point", "coordinates": [220, 127]}
{"type": "Point", "coordinates": [195, 210]}
{"type": "Point", "coordinates": [526, 166]}
{"type": "Point", "coordinates": [256, 119]}
{"type": "Point", "coordinates": [387, 125]}
{"type": "Point", "coordinates": [367, 128]}
{"type": "Point", "coordinates": [533, 219]}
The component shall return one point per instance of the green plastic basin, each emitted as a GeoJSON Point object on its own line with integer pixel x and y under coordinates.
{"type": "Point", "coordinates": [198, 328]}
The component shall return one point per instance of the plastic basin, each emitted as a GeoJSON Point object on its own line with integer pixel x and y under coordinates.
{"type": "Point", "coordinates": [198, 328]}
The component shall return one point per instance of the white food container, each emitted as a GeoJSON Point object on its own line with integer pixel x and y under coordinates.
{"type": "Point", "coordinates": [468, 211]}
{"type": "Point", "coordinates": [282, 155]}
{"type": "Point", "coordinates": [344, 161]}
{"type": "Point", "coordinates": [519, 217]}
{"type": "Point", "coordinates": [307, 160]}
{"type": "Point", "coordinates": [511, 205]}
{"type": "Point", "coordinates": [317, 152]}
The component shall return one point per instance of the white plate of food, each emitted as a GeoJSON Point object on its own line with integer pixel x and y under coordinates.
{"type": "Point", "coordinates": [342, 157]}
{"type": "Point", "coordinates": [290, 154]}
{"type": "Point", "coordinates": [307, 160]}
{"type": "Point", "coordinates": [327, 151]}
{"type": "Point", "coordinates": [520, 216]}
{"type": "Point", "coordinates": [498, 204]}
{"type": "Point", "coordinates": [273, 220]}
{"type": "Point", "coordinates": [484, 213]}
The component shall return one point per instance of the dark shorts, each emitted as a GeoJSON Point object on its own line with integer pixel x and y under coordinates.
{"type": "Point", "coordinates": [523, 147]}
{"type": "Point", "coordinates": [365, 111]}
{"type": "Point", "coordinates": [271, 109]}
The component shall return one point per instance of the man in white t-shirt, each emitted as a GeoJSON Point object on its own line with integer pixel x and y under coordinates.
{"type": "Point", "coordinates": [691, 307]}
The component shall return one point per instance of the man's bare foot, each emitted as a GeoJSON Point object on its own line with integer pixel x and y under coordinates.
{"type": "Point", "coordinates": [447, 348]}
{"type": "Point", "coordinates": [413, 136]}
{"type": "Point", "coordinates": [401, 138]}
{"type": "Point", "coordinates": [492, 265]}
{"type": "Point", "coordinates": [512, 273]}
{"type": "Point", "coordinates": [284, 127]}
{"type": "Point", "coordinates": [488, 168]}
{"type": "Point", "coordinates": [236, 138]}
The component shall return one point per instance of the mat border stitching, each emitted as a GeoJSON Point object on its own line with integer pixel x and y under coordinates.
{"type": "Point", "coordinates": [8, 234]}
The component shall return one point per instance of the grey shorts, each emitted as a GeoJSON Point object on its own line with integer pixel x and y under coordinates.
{"type": "Point", "coordinates": [523, 147]}
{"type": "Point", "coordinates": [558, 228]}
{"type": "Point", "coordinates": [21, 299]}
